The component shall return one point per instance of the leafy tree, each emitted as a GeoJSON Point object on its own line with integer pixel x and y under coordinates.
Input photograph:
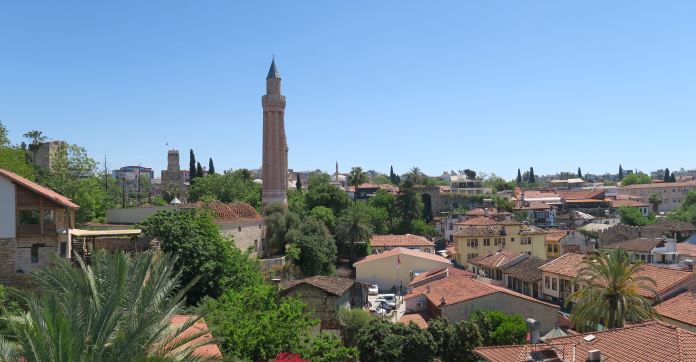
{"type": "Point", "coordinates": [422, 228]}
{"type": "Point", "coordinates": [8, 309]}
{"type": "Point", "coordinates": [325, 215]}
{"type": "Point", "coordinates": [460, 346]}
{"type": "Point", "coordinates": [192, 166]}
{"type": "Point", "coordinates": [353, 227]}
{"type": "Point", "coordinates": [532, 178]}
{"type": "Point", "coordinates": [470, 174]}
{"type": "Point", "coordinates": [635, 178]}
{"type": "Point", "coordinates": [15, 160]}
{"type": "Point", "coordinates": [579, 173]}
{"type": "Point", "coordinates": [325, 347]}
{"type": "Point", "coordinates": [203, 252]}
{"type": "Point", "coordinates": [380, 179]}
{"type": "Point", "coordinates": [655, 200]}
{"type": "Point", "coordinates": [378, 218]}
{"type": "Point", "coordinates": [4, 139]}
{"type": "Point", "coordinates": [117, 309]}
{"type": "Point", "coordinates": [257, 325]}
{"type": "Point", "coordinates": [386, 341]}
{"type": "Point", "coordinates": [171, 191]}
{"type": "Point", "coordinates": [357, 177]}
{"type": "Point", "coordinates": [211, 167]}
{"type": "Point", "coordinates": [279, 222]}
{"type": "Point", "coordinates": [441, 330]}
{"type": "Point", "coordinates": [317, 254]}
{"type": "Point", "coordinates": [632, 216]}
{"type": "Point", "coordinates": [519, 177]}
{"type": "Point", "coordinates": [621, 173]}
{"type": "Point", "coordinates": [298, 183]}
{"type": "Point", "coordinates": [497, 183]}
{"type": "Point", "coordinates": [385, 200]}
{"type": "Point", "coordinates": [229, 187]}
{"type": "Point", "coordinates": [687, 210]}
{"type": "Point", "coordinates": [297, 202]}
{"type": "Point", "coordinates": [408, 205]}
{"type": "Point", "coordinates": [321, 193]}
{"type": "Point", "coordinates": [498, 328]}
{"type": "Point", "coordinates": [351, 322]}
{"type": "Point", "coordinates": [612, 295]}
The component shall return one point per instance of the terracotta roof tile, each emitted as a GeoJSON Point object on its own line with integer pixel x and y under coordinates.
{"type": "Point", "coordinates": [555, 235]}
{"type": "Point", "coordinates": [526, 270]}
{"type": "Point", "coordinates": [420, 319]}
{"type": "Point", "coordinates": [645, 342]}
{"type": "Point", "coordinates": [566, 265]}
{"type": "Point", "coordinates": [681, 308]}
{"type": "Point", "coordinates": [437, 273]}
{"type": "Point", "coordinates": [43, 191]}
{"type": "Point", "coordinates": [686, 249]}
{"type": "Point", "coordinates": [597, 194]}
{"type": "Point", "coordinates": [402, 251]}
{"type": "Point", "coordinates": [230, 212]}
{"type": "Point", "coordinates": [661, 185]}
{"type": "Point", "coordinates": [333, 285]}
{"type": "Point", "coordinates": [478, 221]}
{"type": "Point", "coordinates": [480, 211]}
{"type": "Point", "coordinates": [210, 351]}
{"type": "Point", "coordinates": [627, 202]}
{"type": "Point", "coordinates": [641, 244]}
{"type": "Point", "coordinates": [406, 240]}
{"type": "Point", "coordinates": [497, 259]}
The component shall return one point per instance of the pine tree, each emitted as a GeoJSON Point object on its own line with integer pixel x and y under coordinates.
{"type": "Point", "coordinates": [666, 178]}
{"type": "Point", "coordinates": [199, 170]}
{"type": "Point", "coordinates": [532, 178]}
{"type": "Point", "coordinates": [298, 183]}
{"type": "Point", "coordinates": [672, 178]}
{"type": "Point", "coordinates": [211, 167]}
{"type": "Point", "coordinates": [579, 173]}
{"type": "Point", "coordinates": [519, 177]}
{"type": "Point", "coordinates": [621, 173]}
{"type": "Point", "coordinates": [192, 166]}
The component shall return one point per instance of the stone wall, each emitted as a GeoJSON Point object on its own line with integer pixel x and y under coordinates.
{"type": "Point", "coordinates": [441, 202]}
{"type": "Point", "coordinates": [324, 305]}
{"type": "Point", "coordinates": [15, 257]}
{"type": "Point", "coordinates": [246, 234]}
{"type": "Point", "coordinates": [621, 232]}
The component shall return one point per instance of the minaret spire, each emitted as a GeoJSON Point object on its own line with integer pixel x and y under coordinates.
{"type": "Point", "coordinates": [272, 71]}
{"type": "Point", "coordinates": [275, 150]}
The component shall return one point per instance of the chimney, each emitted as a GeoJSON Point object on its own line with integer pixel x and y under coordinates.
{"type": "Point", "coordinates": [594, 355]}
{"type": "Point", "coordinates": [534, 327]}
{"type": "Point", "coordinates": [442, 301]}
{"type": "Point", "coordinates": [427, 290]}
{"type": "Point", "coordinates": [689, 265]}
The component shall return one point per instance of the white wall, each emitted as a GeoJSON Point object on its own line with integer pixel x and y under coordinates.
{"type": "Point", "coordinates": [8, 214]}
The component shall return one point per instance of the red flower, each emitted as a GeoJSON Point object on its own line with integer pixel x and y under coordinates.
{"type": "Point", "coordinates": [289, 357]}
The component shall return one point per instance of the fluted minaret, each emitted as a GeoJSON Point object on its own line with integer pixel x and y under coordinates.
{"type": "Point", "coordinates": [275, 149]}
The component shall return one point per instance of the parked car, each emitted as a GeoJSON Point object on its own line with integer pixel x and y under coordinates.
{"type": "Point", "coordinates": [373, 289]}
{"type": "Point", "coordinates": [390, 299]}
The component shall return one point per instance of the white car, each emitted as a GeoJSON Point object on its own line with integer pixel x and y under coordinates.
{"type": "Point", "coordinates": [390, 299]}
{"type": "Point", "coordinates": [373, 289]}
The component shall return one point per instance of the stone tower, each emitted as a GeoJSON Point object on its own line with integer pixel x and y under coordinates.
{"type": "Point", "coordinates": [275, 149]}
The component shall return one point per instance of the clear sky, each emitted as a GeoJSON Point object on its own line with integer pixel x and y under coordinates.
{"type": "Point", "coordinates": [487, 85]}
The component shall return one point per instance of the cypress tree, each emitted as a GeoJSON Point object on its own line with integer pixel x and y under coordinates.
{"type": "Point", "coordinates": [621, 173]}
{"type": "Point", "coordinates": [392, 176]}
{"type": "Point", "coordinates": [192, 165]}
{"type": "Point", "coordinates": [666, 178]}
{"type": "Point", "coordinates": [672, 178]}
{"type": "Point", "coordinates": [579, 173]}
{"type": "Point", "coordinates": [519, 177]}
{"type": "Point", "coordinates": [532, 178]}
{"type": "Point", "coordinates": [211, 167]}
{"type": "Point", "coordinates": [199, 170]}
{"type": "Point", "coordinates": [298, 183]}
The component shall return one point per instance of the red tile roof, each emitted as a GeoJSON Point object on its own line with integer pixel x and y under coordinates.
{"type": "Point", "coordinates": [402, 251]}
{"type": "Point", "coordinates": [480, 211]}
{"type": "Point", "coordinates": [43, 191]}
{"type": "Point", "coordinates": [497, 259]}
{"type": "Point", "coordinates": [661, 185]}
{"type": "Point", "coordinates": [645, 342]}
{"type": "Point", "coordinates": [644, 245]}
{"type": "Point", "coordinates": [681, 308]}
{"type": "Point", "coordinates": [406, 240]}
{"type": "Point", "coordinates": [582, 194]}
{"type": "Point", "coordinates": [420, 319]}
{"type": "Point", "coordinates": [478, 221]}
{"type": "Point", "coordinates": [566, 265]}
{"type": "Point", "coordinates": [333, 285]}
{"type": "Point", "coordinates": [209, 351]}
{"type": "Point", "coordinates": [456, 289]}
{"type": "Point", "coordinates": [437, 273]}
{"type": "Point", "coordinates": [230, 212]}
{"type": "Point", "coordinates": [686, 249]}
{"type": "Point", "coordinates": [626, 202]}
{"type": "Point", "coordinates": [555, 235]}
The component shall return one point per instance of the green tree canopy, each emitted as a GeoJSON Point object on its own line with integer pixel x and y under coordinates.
{"type": "Point", "coordinates": [635, 178]}
{"type": "Point", "coordinates": [203, 252]}
{"type": "Point", "coordinates": [687, 210]}
{"type": "Point", "coordinates": [321, 193]}
{"type": "Point", "coordinates": [385, 341]}
{"type": "Point", "coordinates": [408, 206]}
{"type": "Point", "coordinates": [632, 216]}
{"type": "Point", "coordinates": [354, 226]}
{"type": "Point", "coordinates": [325, 215]}
{"type": "Point", "coordinates": [229, 187]}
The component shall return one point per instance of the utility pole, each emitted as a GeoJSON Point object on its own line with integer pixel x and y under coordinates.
{"type": "Point", "coordinates": [138, 184]}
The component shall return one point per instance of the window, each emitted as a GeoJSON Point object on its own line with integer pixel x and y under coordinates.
{"type": "Point", "coordinates": [555, 248]}
{"type": "Point", "coordinates": [548, 248]}
{"type": "Point", "coordinates": [472, 243]}
{"type": "Point", "coordinates": [486, 242]}
{"type": "Point", "coordinates": [512, 240]}
{"type": "Point", "coordinates": [63, 248]}
{"type": "Point", "coordinates": [29, 217]}
{"type": "Point", "coordinates": [547, 282]}
{"type": "Point", "coordinates": [239, 229]}
{"type": "Point", "coordinates": [49, 217]}
{"type": "Point", "coordinates": [35, 253]}
{"type": "Point", "coordinates": [526, 240]}
{"type": "Point", "coordinates": [427, 250]}
{"type": "Point", "coordinates": [499, 241]}
{"type": "Point", "coordinates": [554, 284]}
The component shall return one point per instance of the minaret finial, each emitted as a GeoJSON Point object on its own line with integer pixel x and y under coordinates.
{"type": "Point", "coordinates": [273, 72]}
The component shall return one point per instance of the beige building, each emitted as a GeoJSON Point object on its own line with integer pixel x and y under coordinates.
{"type": "Point", "coordinates": [394, 269]}
{"type": "Point", "coordinates": [456, 297]}
{"type": "Point", "coordinates": [472, 241]}
{"type": "Point", "coordinates": [380, 243]}
{"type": "Point", "coordinates": [35, 222]}
{"type": "Point", "coordinates": [672, 193]}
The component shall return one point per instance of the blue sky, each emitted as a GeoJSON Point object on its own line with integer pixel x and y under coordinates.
{"type": "Point", "coordinates": [487, 85]}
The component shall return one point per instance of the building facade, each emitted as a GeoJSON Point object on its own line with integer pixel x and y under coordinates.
{"type": "Point", "coordinates": [473, 241]}
{"type": "Point", "coordinates": [672, 193]}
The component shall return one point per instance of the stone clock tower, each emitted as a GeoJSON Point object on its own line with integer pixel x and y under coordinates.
{"type": "Point", "coordinates": [275, 149]}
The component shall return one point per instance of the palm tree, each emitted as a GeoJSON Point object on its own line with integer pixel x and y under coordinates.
{"type": "Point", "coordinates": [612, 297]}
{"type": "Point", "coordinates": [356, 178]}
{"type": "Point", "coordinates": [36, 138]}
{"type": "Point", "coordinates": [415, 175]}
{"type": "Point", "coordinates": [116, 309]}
{"type": "Point", "coordinates": [354, 226]}
{"type": "Point", "coordinates": [655, 200]}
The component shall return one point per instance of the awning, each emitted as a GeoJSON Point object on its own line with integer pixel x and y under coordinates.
{"type": "Point", "coordinates": [96, 233]}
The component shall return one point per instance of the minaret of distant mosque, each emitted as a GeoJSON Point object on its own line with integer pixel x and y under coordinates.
{"type": "Point", "coordinates": [275, 149]}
